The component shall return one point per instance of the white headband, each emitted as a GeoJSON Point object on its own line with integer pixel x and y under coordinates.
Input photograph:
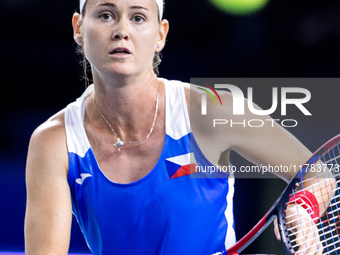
{"type": "Point", "coordinates": [158, 2]}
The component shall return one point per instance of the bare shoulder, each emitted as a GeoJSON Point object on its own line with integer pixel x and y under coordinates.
{"type": "Point", "coordinates": [50, 132]}
{"type": "Point", "coordinates": [48, 141]}
{"type": "Point", "coordinates": [203, 112]}
{"type": "Point", "coordinates": [194, 95]}
{"type": "Point", "coordinates": [53, 123]}
{"type": "Point", "coordinates": [205, 109]}
{"type": "Point", "coordinates": [49, 210]}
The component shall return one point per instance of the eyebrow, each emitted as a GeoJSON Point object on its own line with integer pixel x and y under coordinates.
{"type": "Point", "coordinates": [138, 7]}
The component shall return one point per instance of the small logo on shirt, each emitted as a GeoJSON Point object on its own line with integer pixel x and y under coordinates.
{"type": "Point", "coordinates": [81, 180]}
{"type": "Point", "coordinates": [181, 165]}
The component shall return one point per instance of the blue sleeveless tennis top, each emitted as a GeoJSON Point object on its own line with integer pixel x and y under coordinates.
{"type": "Point", "coordinates": [171, 211]}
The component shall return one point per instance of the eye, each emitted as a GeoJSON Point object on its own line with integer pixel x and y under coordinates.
{"type": "Point", "coordinates": [138, 19]}
{"type": "Point", "coordinates": [106, 16]}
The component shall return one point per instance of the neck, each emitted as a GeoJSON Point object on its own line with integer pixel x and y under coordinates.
{"type": "Point", "coordinates": [128, 104]}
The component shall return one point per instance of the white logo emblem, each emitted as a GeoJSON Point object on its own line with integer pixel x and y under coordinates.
{"type": "Point", "coordinates": [82, 179]}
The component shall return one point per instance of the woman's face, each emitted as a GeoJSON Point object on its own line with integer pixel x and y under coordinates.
{"type": "Point", "coordinates": [121, 36]}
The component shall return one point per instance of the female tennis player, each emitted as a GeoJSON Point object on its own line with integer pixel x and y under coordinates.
{"type": "Point", "coordinates": [117, 158]}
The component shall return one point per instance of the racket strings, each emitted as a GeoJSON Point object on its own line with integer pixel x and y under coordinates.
{"type": "Point", "coordinates": [333, 194]}
{"type": "Point", "coordinates": [318, 183]}
{"type": "Point", "coordinates": [324, 235]}
{"type": "Point", "coordinates": [330, 247]}
{"type": "Point", "coordinates": [293, 230]}
{"type": "Point", "coordinates": [331, 218]}
{"type": "Point", "coordinates": [328, 234]}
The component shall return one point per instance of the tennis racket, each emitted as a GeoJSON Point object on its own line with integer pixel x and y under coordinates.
{"type": "Point", "coordinates": [307, 226]}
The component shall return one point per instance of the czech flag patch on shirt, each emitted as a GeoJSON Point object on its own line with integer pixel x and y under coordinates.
{"type": "Point", "coordinates": [181, 165]}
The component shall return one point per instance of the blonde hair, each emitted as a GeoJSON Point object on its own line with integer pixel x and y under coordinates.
{"type": "Point", "coordinates": [86, 67]}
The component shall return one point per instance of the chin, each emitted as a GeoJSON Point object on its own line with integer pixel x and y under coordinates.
{"type": "Point", "coordinates": [121, 70]}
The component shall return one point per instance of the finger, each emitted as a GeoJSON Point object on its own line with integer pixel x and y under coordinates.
{"type": "Point", "coordinates": [303, 236]}
{"type": "Point", "coordinates": [300, 239]}
{"type": "Point", "coordinates": [314, 244]}
{"type": "Point", "coordinates": [307, 239]}
{"type": "Point", "coordinates": [318, 243]}
{"type": "Point", "coordinates": [315, 248]}
{"type": "Point", "coordinates": [320, 248]}
{"type": "Point", "coordinates": [310, 238]}
{"type": "Point", "coordinates": [276, 230]}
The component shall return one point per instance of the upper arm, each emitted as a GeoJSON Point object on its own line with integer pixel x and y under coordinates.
{"type": "Point", "coordinates": [49, 211]}
{"type": "Point", "coordinates": [270, 144]}
{"type": "Point", "coordinates": [273, 146]}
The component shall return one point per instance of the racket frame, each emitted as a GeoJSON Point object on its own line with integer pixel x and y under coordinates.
{"type": "Point", "coordinates": [277, 210]}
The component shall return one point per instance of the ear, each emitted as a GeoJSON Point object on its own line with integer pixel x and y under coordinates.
{"type": "Point", "coordinates": [162, 34]}
{"type": "Point", "coordinates": [76, 22]}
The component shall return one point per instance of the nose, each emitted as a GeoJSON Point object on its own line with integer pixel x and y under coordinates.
{"type": "Point", "coordinates": [121, 30]}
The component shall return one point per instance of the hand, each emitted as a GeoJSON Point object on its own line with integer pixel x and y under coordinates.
{"type": "Point", "coordinates": [306, 232]}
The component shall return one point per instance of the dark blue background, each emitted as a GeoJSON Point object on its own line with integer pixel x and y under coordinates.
{"type": "Point", "coordinates": [40, 75]}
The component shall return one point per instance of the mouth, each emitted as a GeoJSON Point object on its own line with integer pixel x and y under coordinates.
{"type": "Point", "coordinates": [120, 51]}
